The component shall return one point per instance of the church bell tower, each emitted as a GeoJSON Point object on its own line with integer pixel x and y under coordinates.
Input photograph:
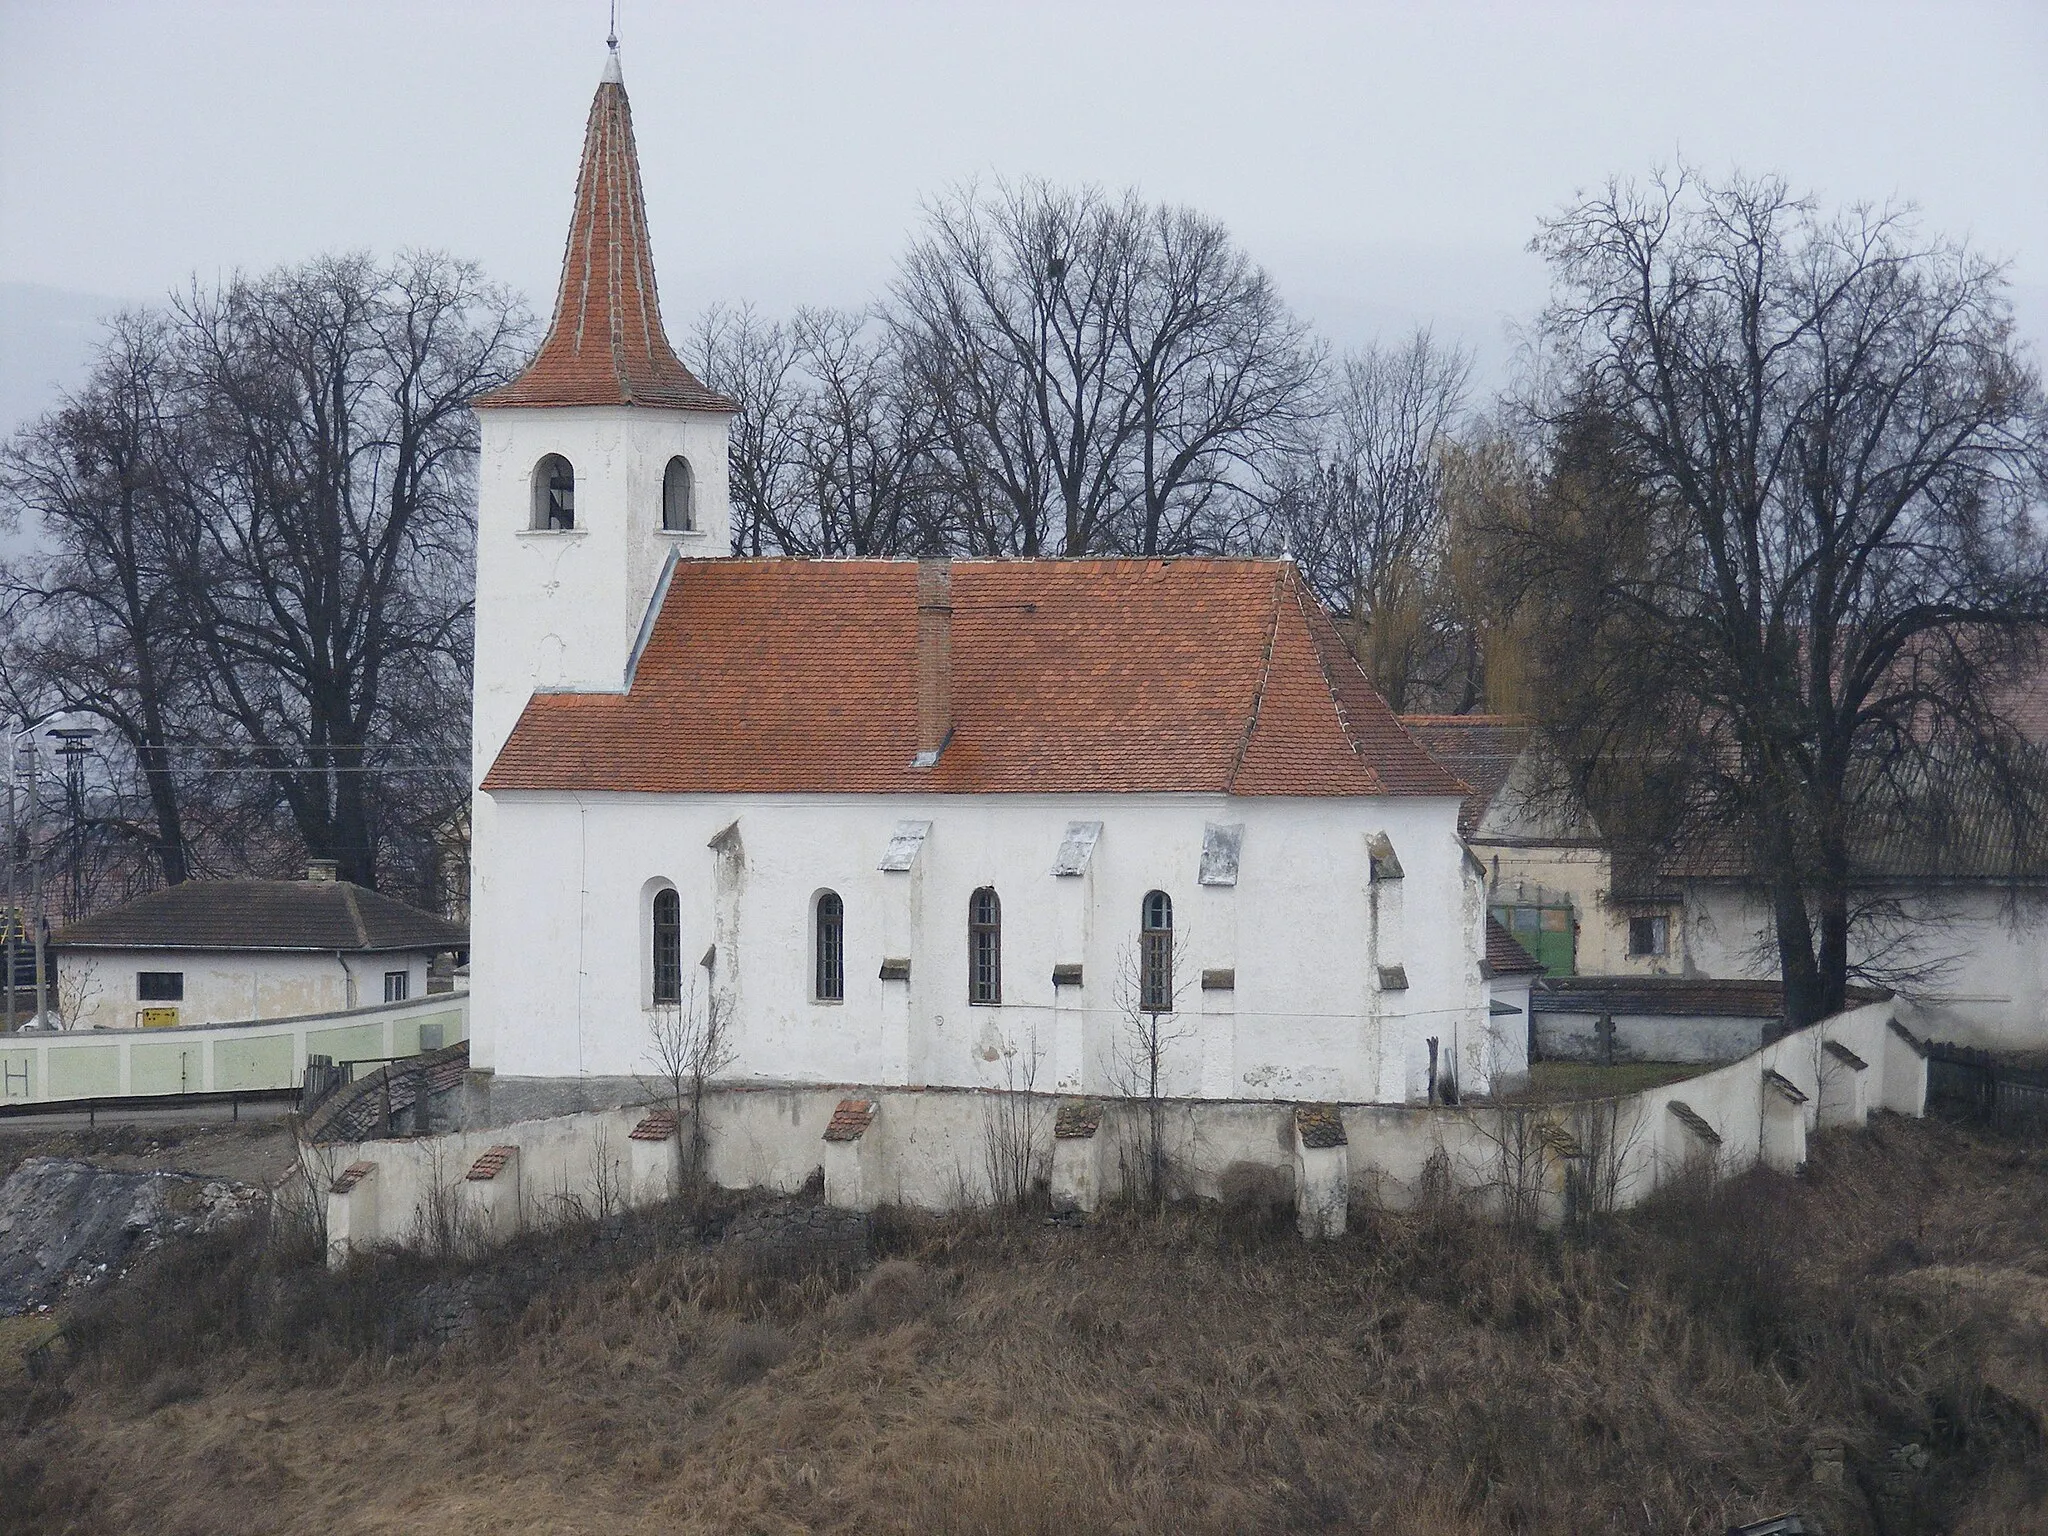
{"type": "Point", "coordinates": [601, 462]}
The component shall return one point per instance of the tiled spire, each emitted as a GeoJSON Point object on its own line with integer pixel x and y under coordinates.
{"type": "Point", "coordinates": [606, 345]}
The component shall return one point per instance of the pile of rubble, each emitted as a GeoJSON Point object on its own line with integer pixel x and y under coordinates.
{"type": "Point", "coordinates": [66, 1224]}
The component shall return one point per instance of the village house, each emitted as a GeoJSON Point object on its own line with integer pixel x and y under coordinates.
{"type": "Point", "coordinates": [232, 951]}
{"type": "Point", "coordinates": [919, 823]}
{"type": "Point", "coordinates": [1677, 951]}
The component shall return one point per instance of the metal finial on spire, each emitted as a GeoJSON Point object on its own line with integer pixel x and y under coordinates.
{"type": "Point", "coordinates": [612, 73]}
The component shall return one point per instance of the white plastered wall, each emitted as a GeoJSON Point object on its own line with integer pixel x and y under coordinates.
{"type": "Point", "coordinates": [100, 986]}
{"type": "Point", "coordinates": [557, 929]}
{"type": "Point", "coordinates": [565, 610]}
{"type": "Point", "coordinates": [1987, 950]}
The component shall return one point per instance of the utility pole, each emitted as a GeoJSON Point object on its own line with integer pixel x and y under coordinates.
{"type": "Point", "coordinates": [14, 924]}
{"type": "Point", "coordinates": [74, 745]}
{"type": "Point", "coordinates": [35, 882]}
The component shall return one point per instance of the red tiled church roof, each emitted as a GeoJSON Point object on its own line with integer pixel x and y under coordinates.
{"type": "Point", "coordinates": [606, 345]}
{"type": "Point", "coordinates": [776, 676]}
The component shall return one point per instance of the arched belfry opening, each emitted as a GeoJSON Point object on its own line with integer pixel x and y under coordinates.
{"type": "Point", "coordinates": [678, 497]}
{"type": "Point", "coordinates": [554, 495]}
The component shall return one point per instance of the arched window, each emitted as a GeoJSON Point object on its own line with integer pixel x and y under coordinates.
{"type": "Point", "coordinates": [1155, 953]}
{"type": "Point", "coordinates": [828, 948]}
{"type": "Point", "coordinates": [984, 947]}
{"type": "Point", "coordinates": [668, 947]}
{"type": "Point", "coordinates": [678, 497]}
{"type": "Point", "coordinates": [554, 494]}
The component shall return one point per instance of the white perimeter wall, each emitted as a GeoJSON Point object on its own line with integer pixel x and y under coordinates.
{"type": "Point", "coordinates": [927, 1148]}
{"type": "Point", "coordinates": [561, 973]}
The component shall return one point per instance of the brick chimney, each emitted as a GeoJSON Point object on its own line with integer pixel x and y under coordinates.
{"type": "Point", "coordinates": [934, 660]}
{"type": "Point", "coordinates": [323, 871]}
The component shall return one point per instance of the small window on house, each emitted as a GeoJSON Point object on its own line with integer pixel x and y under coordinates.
{"type": "Point", "coordinates": [554, 495]}
{"type": "Point", "coordinates": [160, 986]}
{"type": "Point", "coordinates": [1649, 935]}
{"type": "Point", "coordinates": [678, 497]}
{"type": "Point", "coordinates": [828, 948]}
{"type": "Point", "coordinates": [984, 947]}
{"type": "Point", "coordinates": [668, 948]}
{"type": "Point", "coordinates": [1155, 953]}
{"type": "Point", "coordinates": [397, 986]}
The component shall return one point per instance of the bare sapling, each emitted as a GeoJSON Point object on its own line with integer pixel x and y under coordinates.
{"type": "Point", "coordinates": [1014, 1152]}
{"type": "Point", "coordinates": [1150, 984]}
{"type": "Point", "coordinates": [689, 1044]}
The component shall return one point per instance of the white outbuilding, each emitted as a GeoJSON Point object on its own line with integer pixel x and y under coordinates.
{"type": "Point", "coordinates": [234, 951]}
{"type": "Point", "coordinates": [926, 823]}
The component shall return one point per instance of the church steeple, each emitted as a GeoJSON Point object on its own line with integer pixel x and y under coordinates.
{"type": "Point", "coordinates": [606, 345]}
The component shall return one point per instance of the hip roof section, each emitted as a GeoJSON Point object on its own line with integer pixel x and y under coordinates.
{"type": "Point", "coordinates": [324, 915]}
{"type": "Point", "coordinates": [772, 676]}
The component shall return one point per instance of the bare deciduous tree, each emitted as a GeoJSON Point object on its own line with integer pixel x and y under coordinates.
{"type": "Point", "coordinates": [1790, 546]}
{"type": "Point", "coordinates": [754, 362]}
{"type": "Point", "coordinates": [326, 568]}
{"type": "Point", "coordinates": [1105, 376]}
{"type": "Point", "coordinates": [1366, 516]}
{"type": "Point", "coordinates": [96, 619]}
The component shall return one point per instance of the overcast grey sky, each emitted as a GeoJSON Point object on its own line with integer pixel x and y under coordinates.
{"type": "Point", "coordinates": [1387, 162]}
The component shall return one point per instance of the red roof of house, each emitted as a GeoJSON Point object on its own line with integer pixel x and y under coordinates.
{"type": "Point", "coordinates": [1505, 954]}
{"type": "Point", "coordinates": [606, 345]}
{"type": "Point", "coordinates": [1124, 676]}
{"type": "Point", "coordinates": [1480, 749]}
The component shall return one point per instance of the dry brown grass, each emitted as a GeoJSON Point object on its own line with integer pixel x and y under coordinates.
{"type": "Point", "coordinates": [1427, 1374]}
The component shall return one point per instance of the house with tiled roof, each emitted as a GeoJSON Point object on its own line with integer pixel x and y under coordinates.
{"type": "Point", "coordinates": [918, 823]}
{"type": "Point", "coordinates": [1953, 910]}
{"type": "Point", "coordinates": [232, 951]}
{"type": "Point", "coordinates": [1550, 875]}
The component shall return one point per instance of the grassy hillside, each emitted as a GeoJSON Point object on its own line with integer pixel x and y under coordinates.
{"type": "Point", "coordinates": [1197, 1372]}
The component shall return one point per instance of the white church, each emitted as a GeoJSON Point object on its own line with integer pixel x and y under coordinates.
{"type": "Point", "coordinates": [920, 824]}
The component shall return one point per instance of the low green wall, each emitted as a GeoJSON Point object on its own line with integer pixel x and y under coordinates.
{"type": "Point", "coordinates": [265, 1062]}
{"type": "Point", "coordinates": [84, 1071]}
{"type": "Point", "coordinates": [219, 1058]}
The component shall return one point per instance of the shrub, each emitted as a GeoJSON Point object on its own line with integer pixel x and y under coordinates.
{"type": "Point", "coordinates": [749, 1352]}
{"type": "Point", "coordinates": [896, 1291]}
{"type": "Point", "coordinates": [1257, 1205]}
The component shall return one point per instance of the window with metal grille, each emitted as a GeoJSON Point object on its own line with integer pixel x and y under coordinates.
{"type": "Point", "coordinates": [160, 986]}
{"type": "Point", "coordinates": [678, 497]}
{"type": "Point", "coordinates": [668, 947]}
{"type": "Point", "coordinates": [1155, 954]}
{"type": "Point", "coordinates": [554, 494]}
{"type": "Point", "coordinates": [984, 947]}
{"type": "Point", "coordinates": [397, 986]}
{"type": "Point", "coordinates": [829, 946]}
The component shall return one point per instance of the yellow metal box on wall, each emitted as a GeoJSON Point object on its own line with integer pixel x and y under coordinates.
{"type": "Point", "coordinates": [158, 1018]}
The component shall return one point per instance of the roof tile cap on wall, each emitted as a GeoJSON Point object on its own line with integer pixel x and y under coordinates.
{"type": "Point", "coordinates": [1320, 1126]}
{"type": "Point", "coordinates": [491, 1164]}
{"type": "Point", "coordinates": [1695, 1122]}
{"type": "Point", "coordinates": [658, 1126]}
{"type": "Point", "coordinates": [1076, 1121]}
{"type": "Point", "coordinates": [850, 1120]}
